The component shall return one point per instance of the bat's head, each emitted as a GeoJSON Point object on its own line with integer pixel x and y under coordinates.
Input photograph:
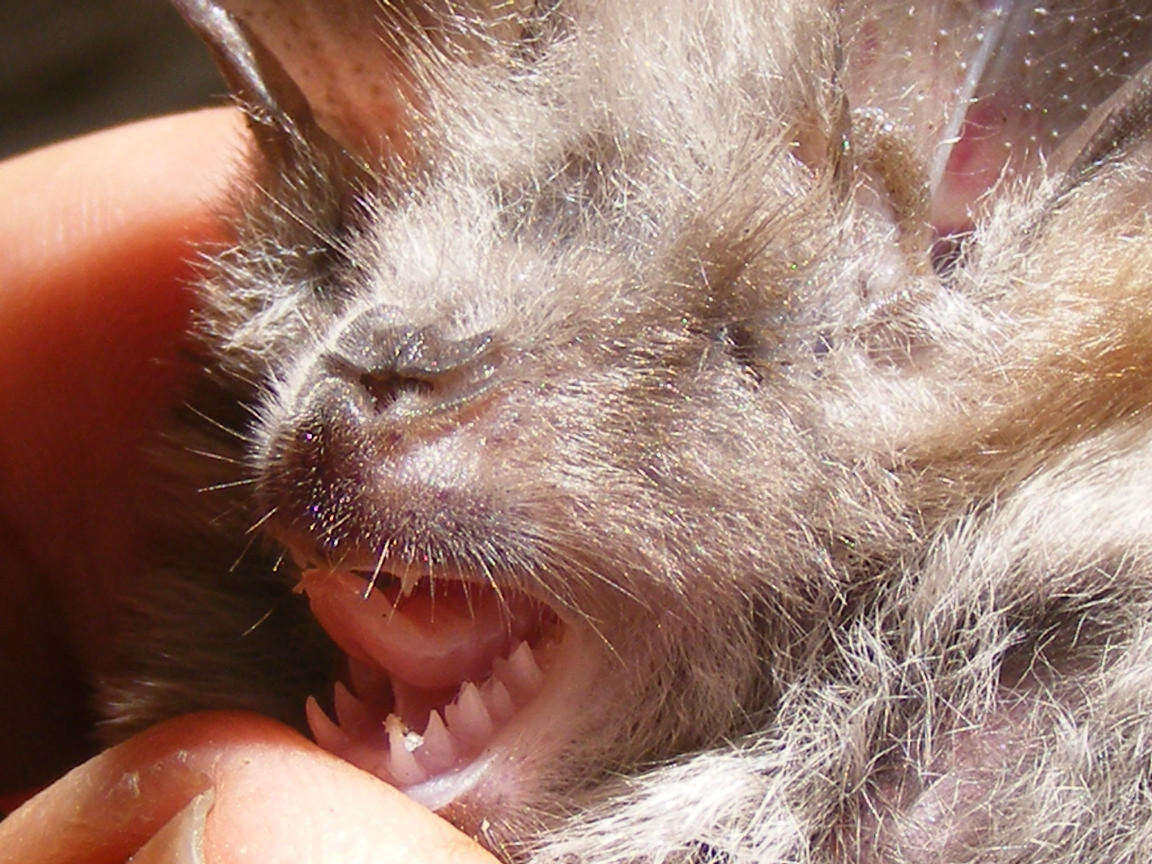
{"type": "Point", "coordinates": [590, 337]}
{"type": "Point", "coordinates": [525, 297]}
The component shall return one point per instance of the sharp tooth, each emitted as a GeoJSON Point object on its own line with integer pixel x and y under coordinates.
{"type": "Point", "coordinates": [497, 699]}
{"type": "Point", "coordinates": [439, 750]}
{"type": "Point", "coordinates": [401, 763]}
{"type": "Point", "coordinates": [473, 708]}
{"type": "Point", "coordinates": [327, 734]}
{"type": "Point", "coordinates": [351, 713]}
{"type": "Point", "coordinates": [522, 673]}
{"type": "Point", "coordinates": [468, 718]}
{"type": "Point", "coordinates": [409, 575]}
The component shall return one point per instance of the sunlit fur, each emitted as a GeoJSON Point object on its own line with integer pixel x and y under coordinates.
{"type": "Point", "coordinates": [864, 544]}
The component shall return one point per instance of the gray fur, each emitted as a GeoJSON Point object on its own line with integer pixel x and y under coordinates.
{"type": "Point", "coordinates": [864, 543]}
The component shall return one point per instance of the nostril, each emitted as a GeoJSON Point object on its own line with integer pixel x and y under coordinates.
{"type": "Point", "coordinates": [417, 367]}
{"type": "Point", "coordinates": [384, 386]}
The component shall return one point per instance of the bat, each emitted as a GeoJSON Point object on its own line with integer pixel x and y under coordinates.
{"type": "Point", "coordinates": [700, 432]}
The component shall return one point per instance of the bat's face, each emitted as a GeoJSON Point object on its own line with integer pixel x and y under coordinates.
{"type": "Point", "coordinates": [611, 356]}
{"type": "Point", "coordinates": [531, 430]}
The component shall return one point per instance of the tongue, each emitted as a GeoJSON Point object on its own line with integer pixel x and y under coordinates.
{"type": "Point", "coordinates": [445, 633]}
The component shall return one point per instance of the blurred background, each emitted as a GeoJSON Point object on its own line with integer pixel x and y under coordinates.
{"type": "Point", "coordinates": [73, 66]}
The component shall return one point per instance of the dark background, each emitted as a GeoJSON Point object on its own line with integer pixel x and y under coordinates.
{"type": "Point", "coordinates": [72, 66]}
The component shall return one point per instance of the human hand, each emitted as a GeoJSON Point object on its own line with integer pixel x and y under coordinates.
{"type": "Point", "coordinates": [95, 235]}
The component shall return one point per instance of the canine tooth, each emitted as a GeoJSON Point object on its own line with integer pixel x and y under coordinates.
{"type": "Point", "coordinates": [401, 763]}
{"type": "Point", "coordinates": [467, 716]}
{"type": "Point", "coordinates": [408, 576]}
{"type": "Point", "coordinates": [497, 699]}
{"type": "Point", "coordinates": [439, 750]}
{"type": "Point", "coordinates": [327, 734]}
{"type": "Point", "coordinates": [523, 671]}
{"type": "Point", "coordinates": [351, 713]}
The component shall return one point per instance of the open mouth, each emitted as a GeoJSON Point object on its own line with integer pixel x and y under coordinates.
{"type": "Point", "coordinates": [443, 673]}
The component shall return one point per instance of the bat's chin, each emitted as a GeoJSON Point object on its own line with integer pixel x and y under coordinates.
{"type": "Point", "coordinates": [458, 690]}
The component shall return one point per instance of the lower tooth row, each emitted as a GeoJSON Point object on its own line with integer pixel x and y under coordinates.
{"type": "Point", "coordinates": [469, 722]}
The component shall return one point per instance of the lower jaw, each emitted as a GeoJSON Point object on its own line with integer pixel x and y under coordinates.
{"type": "Point", "coordinates": [483, 745]}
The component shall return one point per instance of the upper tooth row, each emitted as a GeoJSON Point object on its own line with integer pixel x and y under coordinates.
{"type": "Point", "coordinates": [408, 577]}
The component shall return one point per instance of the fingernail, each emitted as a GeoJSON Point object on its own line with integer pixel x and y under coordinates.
{"type": "Point", "coordinates": [181, 840]}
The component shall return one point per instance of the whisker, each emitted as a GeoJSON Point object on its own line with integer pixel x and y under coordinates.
{"type": "Point", "coordinates": [228, 484]}
{"type": "Point", "coordinates": [227, 430]}
{"type": "Point", "coordinates": [218, 457]}
{"type": "Point", "coordinates": [255, 526]}
{"type": "Point", "coordinates": [256, 414]}
{"type": "Point", "coordinates": [259, 622]}
{"type": "Point", "coordinates": [377, 571]}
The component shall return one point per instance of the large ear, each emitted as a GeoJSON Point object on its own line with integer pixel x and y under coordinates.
{"type": "Point", "coordinates": [990, 91]}
{"type": "Point", "coordinates": [323, 75]}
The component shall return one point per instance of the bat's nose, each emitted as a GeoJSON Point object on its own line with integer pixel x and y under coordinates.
{"type": "Point", "coordinates": [409, 371]}
{"type": "Point", "coordinates": [386, 431]}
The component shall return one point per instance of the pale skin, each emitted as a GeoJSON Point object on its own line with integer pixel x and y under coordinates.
{"type": "Point", "coordinates": [94, 237]}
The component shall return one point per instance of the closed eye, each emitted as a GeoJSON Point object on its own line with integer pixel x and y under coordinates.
{"type": "Point", "coordinates": [741, 344]}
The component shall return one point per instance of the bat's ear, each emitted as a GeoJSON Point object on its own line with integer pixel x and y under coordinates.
{"type": "Point", "coordinates": [1119, 129]}
{"type": "Point", "coordinates": [313, 75]}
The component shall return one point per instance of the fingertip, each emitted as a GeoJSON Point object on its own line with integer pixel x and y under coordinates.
{"type": "Point", "coordinates": [67, 201]}
{"type": "Point", "coordinates": [181, 840]}
{"type": "Point", "coordinates": [275, 797]}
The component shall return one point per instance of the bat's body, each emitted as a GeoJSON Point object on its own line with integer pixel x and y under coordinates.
{"type": "Point", "coordinates": [696, 431]}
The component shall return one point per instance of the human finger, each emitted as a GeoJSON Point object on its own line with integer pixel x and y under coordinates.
{"type": "Point", "coordinates": [225, 788]}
